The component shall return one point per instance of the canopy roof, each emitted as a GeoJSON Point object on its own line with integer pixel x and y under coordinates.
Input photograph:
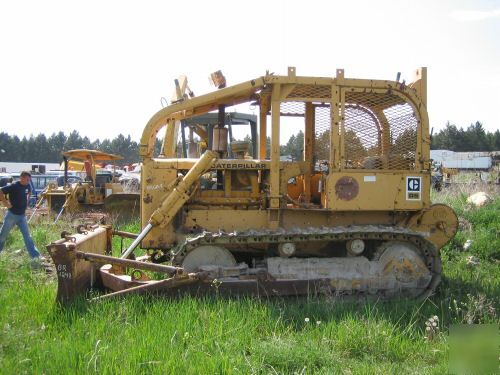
{"type": "Point", "coordinates": [83, 154]}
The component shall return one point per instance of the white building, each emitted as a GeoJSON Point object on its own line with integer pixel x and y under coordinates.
{"type": "Point", "coordinates": [8, 167]}
{"type": "Point", "coordinates": [462, 160]}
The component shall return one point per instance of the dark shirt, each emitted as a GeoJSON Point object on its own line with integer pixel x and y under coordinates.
{"type": "Point", "coordinates": [17, 197]}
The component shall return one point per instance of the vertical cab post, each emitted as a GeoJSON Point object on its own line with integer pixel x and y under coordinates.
{"type": "Point", "coordinates": [275, 147]}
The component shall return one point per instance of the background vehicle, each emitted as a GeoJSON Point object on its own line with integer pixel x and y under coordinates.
{"type": "Point", "coordinates": [5, 178]}
{"type": "Point", "coordinates": [98, 191]}
{"type": "Point", "coordinates": [69, 180]}
{"type": "Point", "coordinates": [361, 223]}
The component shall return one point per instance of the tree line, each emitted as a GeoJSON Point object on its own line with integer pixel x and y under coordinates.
{"type": "Point", "coordinates": [474, 138]}
{"type": "Point", "coordinates": [43, 149]}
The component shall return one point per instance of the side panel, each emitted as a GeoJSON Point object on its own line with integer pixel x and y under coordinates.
{"type": "Point", "coordinates": [377, 191]}
{"type": "Point", "coordinates": [226, 220]}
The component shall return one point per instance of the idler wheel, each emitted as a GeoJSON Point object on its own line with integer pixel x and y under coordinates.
{"type": "Point", "coordinates": [208, 255]}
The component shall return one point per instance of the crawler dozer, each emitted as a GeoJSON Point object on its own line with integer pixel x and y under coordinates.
{"type": "Point", "coordinates": [352, 217]}
{"type": "Point", "coordinates": [98, 192]}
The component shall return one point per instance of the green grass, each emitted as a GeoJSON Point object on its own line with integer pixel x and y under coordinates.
{"type": "Point", "coordinates": [140, 334]}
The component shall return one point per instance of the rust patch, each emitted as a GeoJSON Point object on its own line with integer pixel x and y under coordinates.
{"type": "Point", "coordinates": [347, 188]}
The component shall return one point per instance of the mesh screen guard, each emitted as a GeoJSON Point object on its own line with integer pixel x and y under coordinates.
{"type": "Point", "coordinates": [379, 129]}
{"type": "Point", "coordinates": [379, 132]}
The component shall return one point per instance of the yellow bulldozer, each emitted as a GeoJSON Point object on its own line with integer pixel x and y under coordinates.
{"type": "Point", "coordinates": [96, 190]}
{"type": "Point", "coordinates": [352, 217]}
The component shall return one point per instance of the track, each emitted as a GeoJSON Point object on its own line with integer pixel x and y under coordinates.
{"type": "Point", "coordinates": [386, 235]}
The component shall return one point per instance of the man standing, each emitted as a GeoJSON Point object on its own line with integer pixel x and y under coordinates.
{"type": "Point", "coordinates": [19, 194]}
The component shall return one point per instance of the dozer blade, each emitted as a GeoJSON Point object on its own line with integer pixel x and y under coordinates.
{"type": "Point", "coordinates": [79, 258]}
{"type": "Point", "coordinates": [75, 276]}
{"type": "Point", "coordinates": [123, 206]}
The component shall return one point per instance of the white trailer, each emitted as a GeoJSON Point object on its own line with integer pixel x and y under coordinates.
{"type": "Point", "coordinates": [11, 167]}
{"type": "Point", "coordinates": [462, 160]}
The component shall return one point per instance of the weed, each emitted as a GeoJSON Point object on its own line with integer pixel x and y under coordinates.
{"type": "Point", "coordinates": [432, 328]}
{"type": "Point", "coordinates": [474, 310]}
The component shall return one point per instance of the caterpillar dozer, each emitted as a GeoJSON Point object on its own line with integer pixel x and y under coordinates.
{"type": "Point", "coordinates": [99, 191]}
{"type": "Point", "coordinates": [351, 217]}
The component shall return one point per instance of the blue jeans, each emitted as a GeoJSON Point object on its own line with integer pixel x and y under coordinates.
{"type": "Point", "coordinates": [20, 220]}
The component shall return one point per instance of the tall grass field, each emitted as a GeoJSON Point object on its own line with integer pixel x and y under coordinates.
{"type": "Point", "coordinates": [146, 335]}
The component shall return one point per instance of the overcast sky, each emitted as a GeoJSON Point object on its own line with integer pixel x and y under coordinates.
{"type": "Point", "coordinates": [101, 67]}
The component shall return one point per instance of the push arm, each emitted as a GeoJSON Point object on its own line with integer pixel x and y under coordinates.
{"type": "Point", "coordinates": [175, 199]}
